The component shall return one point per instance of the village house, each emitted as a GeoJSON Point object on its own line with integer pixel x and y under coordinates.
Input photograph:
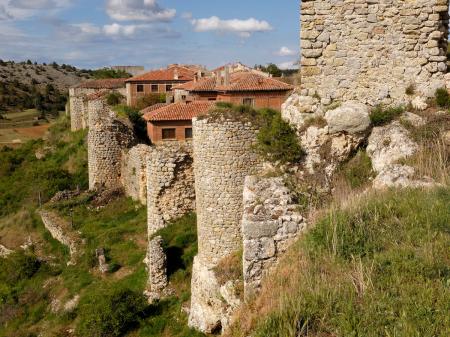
{"type": "Point", "coordinates": [159, 81]}
{"type": "Point", "coordinates": [173, 122]}
{"type": "Point", "coordinates": [240, 87]}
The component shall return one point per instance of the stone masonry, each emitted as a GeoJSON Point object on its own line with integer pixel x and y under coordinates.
{"type": "Point", "coordinates": [371, 51]}
{"type": "Point", "coordinates": [107, 137]}
{"type": "Point", "coordinates": [134, 172]}
{"type": "Point", "coordinates": [270, 224]}
{"type": "Point", "coordinates": [156, 261]}
{"type": "Point", "coordinates": [170, 185]}
{"type": "Point", "coordinates": [77, 104]}
{"type": "Point", "coordinates": [223, 156]}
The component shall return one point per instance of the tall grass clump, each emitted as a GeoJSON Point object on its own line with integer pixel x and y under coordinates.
{"type": "Point", "coordinates": [442, 97]}
{"type": "Point", "coordinates": [379, 267]}
{"type": "Point", "coordinates": [380, 115]}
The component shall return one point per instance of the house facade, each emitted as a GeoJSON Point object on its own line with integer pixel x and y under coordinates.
{"type": "Point", "coordinates": [157, 82]}
{"type": "Point", "coordinates": [173, 122]}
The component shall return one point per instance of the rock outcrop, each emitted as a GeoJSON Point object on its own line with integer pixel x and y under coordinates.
{"type": "Point", "coordinates": [351, 117]}
{"type": "Point", "coordinates": [4, 252]}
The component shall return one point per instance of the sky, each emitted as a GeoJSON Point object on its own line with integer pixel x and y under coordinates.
{"type": "Point", "coordinates": [151, 33]}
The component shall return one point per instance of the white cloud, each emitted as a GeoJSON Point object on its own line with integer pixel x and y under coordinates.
{"type": "Point", "coordinates": [288, 65]}
{"type": "Point", "coordinates": [37, 4]}
{"type": "Point", "coordinates": [23, 9]}
{"type": "Point", "coordinates": [285, 51]}
{"type": "Point", "coordinates": [243, 28]}
{"type": "Point", "coordinates": [116, 29]}
{"type": "Point", "coordinates": [138, 10]}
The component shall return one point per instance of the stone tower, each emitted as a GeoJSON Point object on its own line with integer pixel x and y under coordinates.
{"type": "Point", "coordinates": [223, 157]}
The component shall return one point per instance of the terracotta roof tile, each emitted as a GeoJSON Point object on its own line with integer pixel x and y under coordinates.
{"type": "Point", "coordinates": [111, 83]}
{"type": "Point", "coordinates": [169, 74]}
{"type": "Point", "coordinates": [239, 81]}
{"type": "Point", "coordinates": [153, 107]}
{"type": "Point", "coordinates": [179, 111]}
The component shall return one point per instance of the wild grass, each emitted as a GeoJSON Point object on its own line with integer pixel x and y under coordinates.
{"type": "Point", "coordinates": [378, 268]}
{"type": "Point", "coordinates": [381, 115]}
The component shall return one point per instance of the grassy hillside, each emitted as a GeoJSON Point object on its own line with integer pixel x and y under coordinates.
{"type": "Point", "coordinates": [37, 284]}
{"type": "Point", "coordinates": [378, 268]}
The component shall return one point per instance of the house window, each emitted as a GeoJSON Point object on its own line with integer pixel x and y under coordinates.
{"type": "Point", "coordinates": [248, 101]}
{"type": "Point", "coordinates": [211, 99]}
{"type": "Point", "coordinates": [188, 133]}
{"type": "Point", "coordinates": [168, 87]}
{"type": "Point", "coordinates": [183, 97]}
{"type": "Point", "coordinates": [155, 88]}
{"type": "Point", "coordinates": [140, 88]}
{"type": "Point", "coordinates": [168, 134]}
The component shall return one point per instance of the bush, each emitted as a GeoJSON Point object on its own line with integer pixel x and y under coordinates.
{"type": "Point", "coordinates": [149, 100]}
{"type": "Point", "coordinates": [135, 117]}
{"type": "Point", "coordinates": [17, 267]}
{"type": "Point", "coordinates": [381, 116]}
{"type": "Point", "coordinates": [358, 170]}
{"type": "Point", "coordinates": [110, 312]}
{"type": "Point", "coordinates": [114, 98]}
{"type": "Point", "coordinates": [277, 140]}
{"type": "Point", "coordinates": [442, 97]}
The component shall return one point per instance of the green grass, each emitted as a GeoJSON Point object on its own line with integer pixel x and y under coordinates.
{"type": "Point", "coordinates": [358, 170]}
{"type": "Point", "coordinates": [380, 268]}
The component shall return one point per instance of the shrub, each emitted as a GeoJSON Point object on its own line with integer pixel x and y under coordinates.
{"type": "Point", "coordinates": [110, 312]}
{"type": "Point", "coordinates": [381, 116]}
{"type": "Point", "coordinates": [410, 89]}
{"type": "Point", "coordinates": [149, 100]}
{"type": "Point", "coordinates": [277, 140]}
{"type": "Point", "coordinates": [114, 98]}
{"type": "Point", "coordinates": [18, 266]}
{"type": "Point", "coordinates": [358, 170]}
{"type": "Point", "coordinates": [442, 97]}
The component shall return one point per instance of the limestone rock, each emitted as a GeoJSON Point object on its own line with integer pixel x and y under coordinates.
{"type": "Point", "coordinates": [419, 103]}
{"type": "Point", "coordinates": [311, 141]}
{"type": "Point", "coordinates": [400, 176]}
{"type": "Point", "coordinates": [351, 117]}
{"type": "Point", "coordinates": [413, 119]}
{"type": "Point", "coordinates": [297, 109]}
{"type": "Point", "coordinates": [4, 252]}
{"type": "Point", "coordinates": [389, 144]}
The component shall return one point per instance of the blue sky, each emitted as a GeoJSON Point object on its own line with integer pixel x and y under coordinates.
{"type": "Point", "coordinates": [153, 33]}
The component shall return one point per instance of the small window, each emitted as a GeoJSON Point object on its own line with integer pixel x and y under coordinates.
{"type": "Point", "coordinates": [183, 97]}
{"type": "Point", "coordinates": [168, 87]}
{"type": "Point", "coordinates": [140, 88]}
{"type": "Point", "coordinates": [168, 134]}
{"type": "Point", "coordinates": [248, 101]}
{"type": "Point", "coordinates": [211, 99]}
{"type": "Point", "coordinates": [188, 133]}
{"type": "Point", "coordinates": [155, 88]}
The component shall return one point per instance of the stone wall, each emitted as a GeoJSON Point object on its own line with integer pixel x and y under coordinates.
{"type": "Point", "coordinates": [134, 172]}
{"type": "Point", "coordinates": [107, 137]}
{"type": "Point", "coordinates": [371, 51]}
{"type": "Point", "coordinates": [223, 156]}
{"type": "Point", "coordinates": [270, 224]}
{"type": "Point", "coordinates": [156, 261]}
{"type": "Point", "coordinates": [78, 104]}
{"type": "Point", "coordinates": [170, 184]}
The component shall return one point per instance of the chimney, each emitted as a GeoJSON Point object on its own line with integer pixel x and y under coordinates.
{"type": "Point", "coordinates": [199, 74]}
{"type": "Point", "coordinates": [195, 78]}
{"type": "Point", "coordinates": [226, 77]}
{"type": "Point", "coordinates": [175, 74]}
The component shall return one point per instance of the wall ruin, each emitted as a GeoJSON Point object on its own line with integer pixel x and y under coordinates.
{"type": "Point", "coordinates": [270, 224]}
{"type": "Point", "coordinates": [371, 51]}
{"type": "Point", "coordinates": [223, 156]}
{"type": "Point", "coordinates": [107, 137]}
{"type": "Point", "coordinates": [170, 184]}
{"type": "Point", "coordinates": [134, 172]}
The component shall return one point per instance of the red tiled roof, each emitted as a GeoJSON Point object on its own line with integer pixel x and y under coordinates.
{"type": "Point", "coordinates": [153, 107]}
{"type": "Point", "coordinates": [184, 74]}
{"type": "Point", "coordinates": [96, 95]}
{"type": "Point", "coordinates": [179, 111]}
{"type": "Point", "coordinates": [245, 81]}
{"type": "Point", "coordinates": [239, 81]}
{"type": "Point", "coordinates": [111, 83]}
{"type": "Point", "coordinates": [203, 84]}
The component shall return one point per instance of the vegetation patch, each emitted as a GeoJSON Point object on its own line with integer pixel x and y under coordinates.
{"type": "Point", "coordinates": [276, 140]}
{"type": "Point", "coordinates": [442, 98]}
{"type": "Point", "coordinates": [149, 100]}
{"type": "Point", "coordinates": [381, 116]}
{"type": "Point", "coordinates": [358, 171]}
{"type": "Point", "coordinates": [135, 117]}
